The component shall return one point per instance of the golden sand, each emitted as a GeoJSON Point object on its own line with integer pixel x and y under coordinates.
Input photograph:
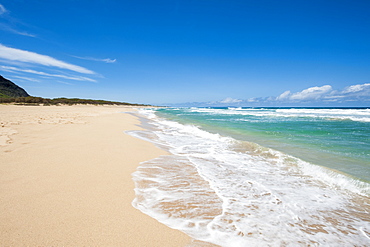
{"type": "Point", "coordinates": [65, 179]}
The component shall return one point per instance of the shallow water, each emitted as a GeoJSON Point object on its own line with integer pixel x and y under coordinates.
{"type": "Point", "coordinates": [334, 138]}
{"type": "Point", "coordinates": [234, 192]}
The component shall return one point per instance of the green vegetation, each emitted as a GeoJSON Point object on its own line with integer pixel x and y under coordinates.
{"type": "Point", "coordinates": [9, 89]}
{"type": "Point", "coordinates": [61, 101]}
{"type": "Point", "coordinates": [4, 96]}
{"type": "Point", "coordinates": [12, 93]}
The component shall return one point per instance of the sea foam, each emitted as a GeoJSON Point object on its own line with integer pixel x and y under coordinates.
{"type": "Point", "coordinates": [235, 193]}
{"type": "Point", "coordinates": [359, 115]}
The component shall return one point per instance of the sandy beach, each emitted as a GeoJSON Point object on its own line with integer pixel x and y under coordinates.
{"type": "Point", "coordinates": [65, 179]}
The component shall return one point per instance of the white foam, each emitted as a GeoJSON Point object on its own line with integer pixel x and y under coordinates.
{"type": "Point", "coordinates": [359, 115]}
{"type": "Point", "coordinates": [230, 198]}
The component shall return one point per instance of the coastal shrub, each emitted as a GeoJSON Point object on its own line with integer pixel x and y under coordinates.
{"type": "Point", "coordinates": [60, 101]}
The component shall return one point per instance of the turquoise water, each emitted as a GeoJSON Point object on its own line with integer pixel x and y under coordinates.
{"type": "Point", "coordinates": [239, 177]}
{"type": "Point", "coordinates": [335, 138]}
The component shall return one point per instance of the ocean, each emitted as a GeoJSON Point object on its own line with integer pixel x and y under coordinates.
{"type": "Point", "coordinates": [259, 176]}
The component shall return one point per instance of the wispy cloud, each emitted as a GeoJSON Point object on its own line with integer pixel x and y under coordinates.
{"type": "Point", "coordinates": [76, 78]}
{"type": "Point", "coordinates": [12, 30]}
{"type": "Point", "coordinates": [8, 27]}
{"type": "Point", "coordinates": [26, 78]}
{"type": "Point", "coordinates": [2, 9]}
{"type": "Point", "coordinates": [230, 100]}
{"type": "Point", "coordinates": [14, 54]}
{"type": "Point", "coordinates": [105, 60]}
{"type": "Point", "coordinates": [63, 82]}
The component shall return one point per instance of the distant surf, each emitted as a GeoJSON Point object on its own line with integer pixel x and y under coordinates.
{"type": "Point", "coordinates": [259, 177]}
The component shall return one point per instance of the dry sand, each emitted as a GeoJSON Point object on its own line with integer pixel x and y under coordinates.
{"type": "Point", "coordinates": [65, 179]}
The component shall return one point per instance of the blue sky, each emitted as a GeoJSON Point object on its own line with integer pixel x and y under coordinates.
{"type": "Point", "coordinates": [161, 52]}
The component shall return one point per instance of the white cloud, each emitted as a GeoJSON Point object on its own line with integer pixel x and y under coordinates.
{"type": "Point", "coordinates": [283, 96]}
{"type": "Point", "coordinates": [312, 93]}
{"type": "Point", "coordinates": [317, 96]}
{"type": "Point", "coordinates": [252, 100]}
{"type": "Point", "coordinates": [32, 57]}
{"type": "Point", "coordinates": [2, 9]}
{"type": "Point", "coordinates": [230, 100]}
{"type": "Point", "coordinates": [357, 88]}
{"type": "Point", "coordinates": [76, 78]}
{"type": "Point", "coordinates": [105, 60]}
{"type": "Point", "coordinates": [360, 92]}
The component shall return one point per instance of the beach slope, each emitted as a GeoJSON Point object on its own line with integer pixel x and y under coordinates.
{"type": "Point", "coordinates": [65, 179]}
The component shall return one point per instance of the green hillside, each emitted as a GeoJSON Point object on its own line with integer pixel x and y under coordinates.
{"type": "Point", "coordinates": [10, 90]}
{"type": "Point", "coordinates": [11, 93]}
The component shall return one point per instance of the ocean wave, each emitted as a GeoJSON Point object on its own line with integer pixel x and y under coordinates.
{"type": "Point", "coordinates": [359, 115]}
{"type": "Point", "coordinates": [235, 193]}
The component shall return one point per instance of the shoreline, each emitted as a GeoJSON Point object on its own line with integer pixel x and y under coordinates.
{"type": "Point", "coordinates": [229, 192]}
{"type": "Point", "coordinates": [65, 178]}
